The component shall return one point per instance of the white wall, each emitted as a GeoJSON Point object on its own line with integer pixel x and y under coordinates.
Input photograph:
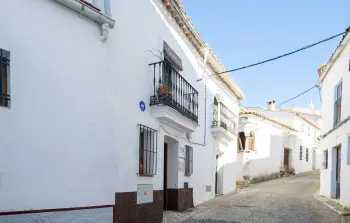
{"type": "Point", "coordinates": [266, 158]}
{"type": "Point", "coordinates": [72, 126]}
{"type": "Point", "coordinates": [304, 139]}
{"type": "Point", "coordinates": [338, 72]}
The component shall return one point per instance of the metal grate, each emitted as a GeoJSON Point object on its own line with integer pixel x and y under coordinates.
{"type": "Point", "coordinates": [147, 151]}
{"type": "Point", "coordinates": [171, 89]}
{"type": "Point", "coordinates": [301, 153]}
{"type": "Point", "coordinates": [226, 116]}
{"type": "Point", "coordinates": [4, 78]}
{"type": "Point", "coordinates": [307, 155]}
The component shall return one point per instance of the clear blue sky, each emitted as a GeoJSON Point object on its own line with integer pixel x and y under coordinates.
{"type": "Point", "coordinates": [244, 32]}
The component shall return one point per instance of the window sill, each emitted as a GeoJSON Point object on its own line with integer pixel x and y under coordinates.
{"type": "Point", "coordinates": [146, 175]}
{"type": "Point", "coordinates": [188, 175]}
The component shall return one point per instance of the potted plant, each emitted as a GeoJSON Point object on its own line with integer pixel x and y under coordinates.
{"type": "Point", "coordinates": [163, 89]}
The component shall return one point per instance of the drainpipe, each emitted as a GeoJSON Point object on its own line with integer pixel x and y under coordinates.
{"type": "Point", "coordinates": [104, 20]}
{"type": "Point", "coordinates": [205, 97]}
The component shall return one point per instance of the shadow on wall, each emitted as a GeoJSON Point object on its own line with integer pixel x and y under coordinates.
{"type": "Point", "coordinates": [225, 178]}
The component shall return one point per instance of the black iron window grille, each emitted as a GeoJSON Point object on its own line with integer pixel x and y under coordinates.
{"type": "Point", "coordinates": [325, 159]}
{"type": "Point", "coordinates": [307, 155]}
{"type": "Point", "coordinates": [337, 103]}
{"type": "Point", "coordinates": [225, 117]}
{"type": "Point", "coordinates": [189, 161]}
{"type": "Point", "coordinates": [4, 78]}
{"type": "Point", "coordinates": [147, 151]}
{"type": "Point", "coordinates": [171, 89]}
{"type": "Point", "coordinates": [301, 153]}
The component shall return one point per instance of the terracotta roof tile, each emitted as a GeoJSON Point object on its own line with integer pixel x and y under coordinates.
{"type": "Point", "coordinates": [245, 112]}
{"type": "Point", "coordinates": [197, 41]}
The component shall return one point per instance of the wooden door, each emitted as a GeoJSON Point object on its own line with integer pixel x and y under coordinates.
{"type": "Point", "coordinates": [165, 183]}
{"type": "Point", "coordinates": [286, 159]}
{"type": "Point", "coordinates": [216, 175]}
{"type": "Point", "coordinates": [338, 169]}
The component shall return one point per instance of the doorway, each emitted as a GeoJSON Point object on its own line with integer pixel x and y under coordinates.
{"type": "Point", "coordinates": [165, 178]}
{"type": "Point", "coordinates": [314, 159]}
{"type": "Point", "coordinates": [338, 170]}
{"type": "Point", "coordinates": [216, 175]}
{"type": "Point", "coordinates": [286, 159]}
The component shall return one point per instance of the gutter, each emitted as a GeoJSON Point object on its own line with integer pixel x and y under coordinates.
{"type": "Point", "coordinates": [105, 21]}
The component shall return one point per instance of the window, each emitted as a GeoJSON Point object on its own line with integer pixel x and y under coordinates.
{"type": "Point", "coordinates": [147, 151]}
{"type": "Point", "coordinates": [301, 153]}
{"type": "Point", "coordinates": [241, 141]}
{"type": "Point", "coordinates": [189, 161]}
{"type": "Point", "coordinates": [348, 152]}
{"type": "Point", "coordinates": [4, 78]}
{"type": "Point", "coordinates": [337, 103]}
{"type": "Point", "coordinates": [307, 155]}
{"type": "Point", "coordinates": [325, 159]}
{"type": "Point", "coordinates": [308, 131]}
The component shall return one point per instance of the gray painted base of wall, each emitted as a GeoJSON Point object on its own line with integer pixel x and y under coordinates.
{"type": "Point", "coordinates": [265, 177]}
{"type": "Point", "coordinates": [101, 215]}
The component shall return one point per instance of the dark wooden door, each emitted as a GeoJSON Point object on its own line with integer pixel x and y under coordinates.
{"type": "Point", "coordinates": [165, 183]}
{"type": "Point", "coordinates": [286, 158]}
{"type": "Point", "coordinates": [338, 169]}
{"type": "Point", "coordinates": [216, 175]}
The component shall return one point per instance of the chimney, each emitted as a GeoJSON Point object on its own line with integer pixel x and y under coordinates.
{"type": "Point", "coordinates": [271, 105]}
{"type": "Point", "coordinates": [321, 69]}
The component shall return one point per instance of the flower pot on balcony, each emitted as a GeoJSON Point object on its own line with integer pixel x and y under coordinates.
{"type": "Point", "coordinates": [163, 89]}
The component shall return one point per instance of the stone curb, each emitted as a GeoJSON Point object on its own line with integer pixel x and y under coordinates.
{"type": "Point", "coordinates": [324, 200]}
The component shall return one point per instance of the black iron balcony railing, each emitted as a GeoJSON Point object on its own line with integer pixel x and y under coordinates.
{"type": "Point", "coordinates": [171, 89]}
{"type": "Point", "coordinates": [225, 117]}
{"type": "Point", "coordinates": [4, 100]}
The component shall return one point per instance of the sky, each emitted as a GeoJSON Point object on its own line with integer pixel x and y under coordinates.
{"type": "Point", "coordinates": [244, 32]}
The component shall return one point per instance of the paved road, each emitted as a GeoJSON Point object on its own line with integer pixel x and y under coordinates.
{"type": "Point", "coordinates": [287, 199]}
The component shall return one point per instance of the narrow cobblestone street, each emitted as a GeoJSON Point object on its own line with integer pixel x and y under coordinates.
{"type": "Point", "coordinates": [287, 199]}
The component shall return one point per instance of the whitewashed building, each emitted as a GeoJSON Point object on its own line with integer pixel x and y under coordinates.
{"type": "Point", "coordinates": [273, 140]}
{"type": "Point", "coordinates": [110, 111]}
{"type": "Point", "coordinates": [262, 144]}
{"type": "Point", "coordinates": [335, 142]}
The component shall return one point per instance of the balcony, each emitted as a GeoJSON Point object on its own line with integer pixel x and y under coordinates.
{"type": "Point", "coordinates": [174, 101]}
{"type": "Point", "coordinates": [224, 122]}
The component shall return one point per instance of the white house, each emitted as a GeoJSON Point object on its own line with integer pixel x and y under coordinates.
{"type": "Point", "coordinates": [110, 111]}
{"type": "Point", "coordinates": [335, 143]}
{"type": "Point", "coordinates": [282, 139]}
{"type": "Point", "coordinates": [265, 147]}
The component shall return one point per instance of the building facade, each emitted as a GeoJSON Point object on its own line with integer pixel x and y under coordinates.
{"type": "Point", "coordinates": [110, 111]}
{"type": "Point", "coordinates": [285, 140]}
{"type": "Point", "coordinates": [265, 147]}
{"type": "Point", "coordinates": [335, 82]}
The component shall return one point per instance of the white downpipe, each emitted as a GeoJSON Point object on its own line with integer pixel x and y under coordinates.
{"type": "Point", "coordinates": [89, 12]}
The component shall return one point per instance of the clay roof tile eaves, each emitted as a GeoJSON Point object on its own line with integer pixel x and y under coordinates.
{"type": "Point", "coordinates": [197, 41]}
{"type": "Point", "coordinates": [267, 118]}
{"type": "Point", "coordinates": [331, 59]}
{"type": "Point", "coordinates": [298, 114]}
